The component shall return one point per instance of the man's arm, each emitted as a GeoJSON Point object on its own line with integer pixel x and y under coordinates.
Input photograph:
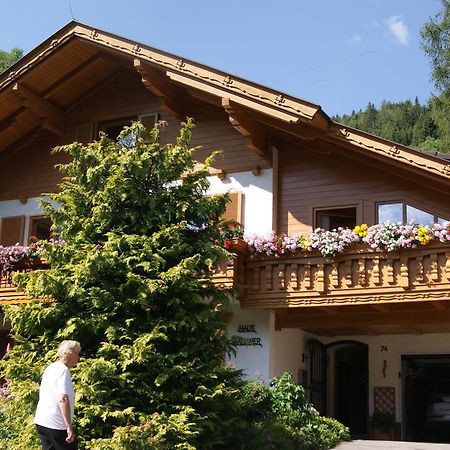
{"type": "Point", "coordinates": [64, 406]}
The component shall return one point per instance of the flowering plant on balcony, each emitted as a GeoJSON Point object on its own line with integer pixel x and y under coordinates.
{"type": "Point", "coordinates": [230, 230]}
{"type": "Point", "coordinates": [13, 254]}
{"type": "Point", "coordinates": [385, 237]}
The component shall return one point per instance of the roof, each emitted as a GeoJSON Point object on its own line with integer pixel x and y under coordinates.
{"type": "Point", "coordinates": [39, 89]}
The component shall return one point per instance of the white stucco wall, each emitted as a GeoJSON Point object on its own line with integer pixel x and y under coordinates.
{"type": "Point", "coordinates": [11, 208]}
{"type": "Point", "coordinates": [286, 348]}
{"type": "Point", "coordinates": [258, 197]}
{"type": "Point", "coordinates": [390, 348]}
{"type": "Point", "coordinates": [252, 359]}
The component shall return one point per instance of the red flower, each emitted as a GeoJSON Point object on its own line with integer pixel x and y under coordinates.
{"type": "Point", "coordinates": [227, 243]}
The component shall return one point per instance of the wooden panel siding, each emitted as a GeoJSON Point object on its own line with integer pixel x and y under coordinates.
{"type": "Point", "coordinates": [310, 180]}
{"type": "Point", "coordinates": [30, 172]}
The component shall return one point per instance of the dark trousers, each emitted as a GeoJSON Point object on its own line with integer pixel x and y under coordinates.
{"type": "Point", "coordinates": [54, 439]}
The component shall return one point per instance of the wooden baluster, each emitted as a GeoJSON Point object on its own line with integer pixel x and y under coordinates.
{"type": "Point", "coordinates": [420, 275]}
{"type": "Point", "coordinates": [434, 273]}
{"type": "Point", "coordinates": [320, 283]}
{"type": "Point", "coordinates": [362, 275]}
{"type": "Point", "coordinates": [376, 272]}
{"type": "Point", "coordinates": [404, 271]}
{"type": "Point", "coordinates": [256, 286]}
{"type": "Point", "coordinates": [335, 275]}
{"type": "Point", "coordinates": [348, 273]}
{"type": "Point", "coordinates": [307, 277]}
{"type": "Point", "coordinates": [269, 277]}
{"type": "Point", "coordinates": [390, 271]}
{"type": "Point", "coordinates": [281, 276]}
{"type": "Point", "coordinates": [294, 281]}
{"type": "Point", "coordinates": [447, 266]}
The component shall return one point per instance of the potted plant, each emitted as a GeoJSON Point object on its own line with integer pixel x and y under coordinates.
{"type": "Point", "coordinates": [382, 425]}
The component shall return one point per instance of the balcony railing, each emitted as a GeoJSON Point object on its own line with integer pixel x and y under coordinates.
{"type": "Point", "coordinates": [8, 291]}
{"type": "Point", "coordinates": [360, 275]}
{"type": "Point", "coordinates": [356, 277]}
{"type": "Point", "coordinates": [224, 276]}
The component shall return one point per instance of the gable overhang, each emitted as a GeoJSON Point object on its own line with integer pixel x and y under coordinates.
{"type": "Point", "coordinates": [252, 109]}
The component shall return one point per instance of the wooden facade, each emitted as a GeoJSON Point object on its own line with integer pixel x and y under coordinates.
{"type": "Point", "coordinates": [82, 79]}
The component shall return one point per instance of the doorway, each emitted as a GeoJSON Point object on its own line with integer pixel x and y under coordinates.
{"type": "Point", "coordinates": [339, 382]}
{"type": "Point", "coordinates": [351, 387]}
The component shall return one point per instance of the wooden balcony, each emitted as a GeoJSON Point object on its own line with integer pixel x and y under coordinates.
{"type": "Point", "coordinates": [8, 292]}
{"type": "Point", "coordinates": [359, 290]}
{"type": "Point", "coordinates": [224, 276]}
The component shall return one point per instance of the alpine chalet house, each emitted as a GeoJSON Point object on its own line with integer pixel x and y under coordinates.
{"type": "Point", "coordinates": [361, 321]}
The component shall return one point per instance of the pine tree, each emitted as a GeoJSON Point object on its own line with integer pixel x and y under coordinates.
{"type": "Point", "coordinates": [131, 280]}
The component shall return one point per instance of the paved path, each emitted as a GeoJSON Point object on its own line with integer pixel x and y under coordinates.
{"type": "Point", "coordinates": [391, 445]}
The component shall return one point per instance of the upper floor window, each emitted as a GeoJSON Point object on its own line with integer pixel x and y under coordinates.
{"type": "Point", "coordinates": [332, 218]}
{"type": "Point", "coordinates": [404, 213]}
{"type": "Point", "coordinates": [40, 228]}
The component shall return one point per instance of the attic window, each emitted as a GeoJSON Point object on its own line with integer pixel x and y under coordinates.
{"type": "Point", "coordinates": [332, 218]}
{"type": "Point", "coordinates": [113, 128]}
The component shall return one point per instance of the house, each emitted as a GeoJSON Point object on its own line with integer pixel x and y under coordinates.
{"type": "Point", "coordinates": [361, 329]}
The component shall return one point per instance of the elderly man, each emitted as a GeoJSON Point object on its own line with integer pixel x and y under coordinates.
{"type": "Point", "coordinates": [54, 412]}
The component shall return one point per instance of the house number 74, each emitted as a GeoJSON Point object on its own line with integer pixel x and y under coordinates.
{"type": "Point", "coordinates": [383, 348]}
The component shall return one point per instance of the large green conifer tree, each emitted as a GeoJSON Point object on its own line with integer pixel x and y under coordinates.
{"type": "Point", "coordinates": [131, 281]}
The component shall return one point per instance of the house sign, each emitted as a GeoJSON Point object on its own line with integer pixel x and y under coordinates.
{"type": "Point", "coordinates": [247, 341]}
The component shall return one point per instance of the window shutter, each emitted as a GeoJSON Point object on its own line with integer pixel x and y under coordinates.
{"type": "Point", "coordinates": [11, 231]}
{"type": "Point", "coordinates": [234, 208]}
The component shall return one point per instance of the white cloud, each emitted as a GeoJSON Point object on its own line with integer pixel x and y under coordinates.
{"type": "Point", "coordinates": [398, 29]}
{"type": "Point", "coordinates": [355, 38]}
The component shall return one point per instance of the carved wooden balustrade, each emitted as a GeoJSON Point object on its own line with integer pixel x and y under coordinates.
{"type": "Point", "coordinates": [358, 276]}
{"type": "Point", "coordinates": [224, 276]}
{"type": "Point", "coordinates": [8, 291]}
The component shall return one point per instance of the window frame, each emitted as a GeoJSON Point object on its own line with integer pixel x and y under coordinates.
{"type": "Point", "coordinates": [404, 204]}
{"type": "Point", "coordinates": [327, 207]}
{"type": "Point", "coordinates": [30, 221]}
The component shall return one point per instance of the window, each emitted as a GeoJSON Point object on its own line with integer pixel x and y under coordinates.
{"type": "Point", "coordinates": [390, 212]}
{"type": "Point", "coordinates": [114, 127]}
{"type": "Point", "coordinates": [404, 213]}
{"type": "Point", "coordinates": [332, 218]}
{"type": "Point", "coordinates": [40, 228]}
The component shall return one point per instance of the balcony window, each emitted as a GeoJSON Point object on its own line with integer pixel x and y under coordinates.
{"type": "Point", "coordinates": [390, 212]}
{"type": "Point", "coordinates": [40, 228]}
{"type": "Point", "coordinates": [404, 213]}
{"type": "Point", "coordinates": [332, 218]}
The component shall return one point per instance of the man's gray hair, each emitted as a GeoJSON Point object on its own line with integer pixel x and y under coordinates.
{"type": "Point", "coordinates": [67, 347]}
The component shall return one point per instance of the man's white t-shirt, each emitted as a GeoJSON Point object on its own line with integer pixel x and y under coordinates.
{"type": "Point", "coordinates": [55, 382]}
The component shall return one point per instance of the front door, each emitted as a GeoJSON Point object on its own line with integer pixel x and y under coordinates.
{"type": "Point", "coordinates": [351, 387]}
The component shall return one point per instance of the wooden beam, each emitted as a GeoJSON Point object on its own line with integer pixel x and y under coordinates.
{"type": "Point", "coordinates": [439, 305]}
{"type": "Point", "coordinates": [52, 116]}
{"type": "Point", "coordinates": [173, 99]}
{"type": "Point", "coordinates": [403, 319]}
{"type": "Point", "coordinates": [260, 106]}
{"type": "Point", "coordinates": [22, 142]}
{"type": "Point", "coordinates": [246, 126]}
{"type": "Point", "coordinates": [11, 119]}
{"type": "Point", "coordinates": [74, 72]}
{"type": "Point", "coordinates": [329, 309]}
{"type": "Point", "coordinates": [382, 307]}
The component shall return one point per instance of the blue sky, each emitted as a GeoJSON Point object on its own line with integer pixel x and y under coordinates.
{"type": "Point", "coordinates": [340, 54]}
